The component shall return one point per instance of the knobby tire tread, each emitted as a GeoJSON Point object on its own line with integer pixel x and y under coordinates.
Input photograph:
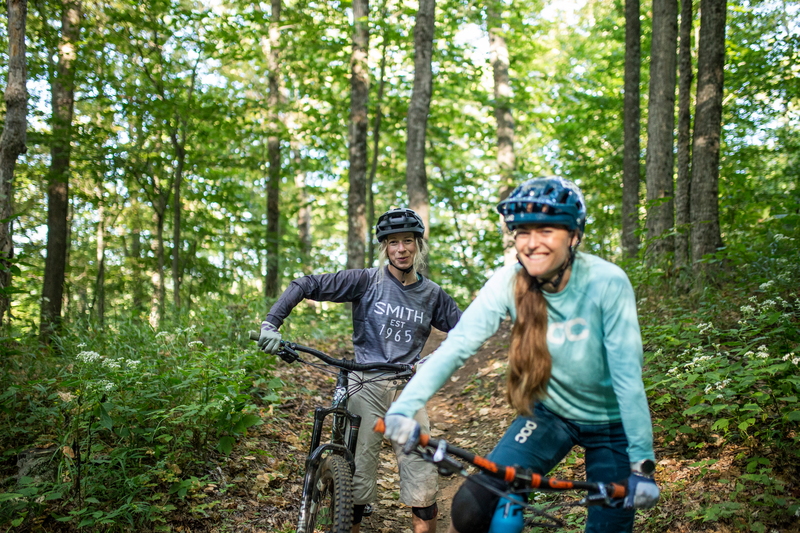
{"type": "Point", "coordinates": [336, 471]}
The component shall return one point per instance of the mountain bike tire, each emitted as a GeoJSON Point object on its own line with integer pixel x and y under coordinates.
{"type": "Point", "coordinates": [330, 508]}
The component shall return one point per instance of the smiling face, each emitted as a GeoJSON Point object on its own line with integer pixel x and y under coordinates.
{"type": "Point", "coordinates": [401, 249]}
{"type": "Point", "coordinates": [542, 249]}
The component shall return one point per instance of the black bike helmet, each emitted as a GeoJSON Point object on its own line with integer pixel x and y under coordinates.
{"type": "Point", "coordinates": [545, 200]}
{"type": "Point", "coordinates": [398, 221]}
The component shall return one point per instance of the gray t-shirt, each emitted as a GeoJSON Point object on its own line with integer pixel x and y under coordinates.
{"type": "Point", "coordinates": [391, 322]}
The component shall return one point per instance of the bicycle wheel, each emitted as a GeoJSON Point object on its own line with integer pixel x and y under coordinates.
{"type": "Point", "coordinates": [330, 508]}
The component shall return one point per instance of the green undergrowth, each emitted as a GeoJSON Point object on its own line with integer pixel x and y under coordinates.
{"type": "Point", "coordinates": [117, 428]}
{"type": "Point", "coordinates": [722, 372]}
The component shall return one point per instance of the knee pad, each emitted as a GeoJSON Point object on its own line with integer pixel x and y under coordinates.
{"type": "Point", "coordinates": [426, 513]}
{"type": "Point", "coordinates": [358, 513]}
{"type": "Point", "coordinates": [474, 505]}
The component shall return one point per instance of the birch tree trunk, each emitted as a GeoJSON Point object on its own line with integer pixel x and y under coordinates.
{"type": "Point", "coordinates": [357, 136]}
{"type": "Point", "coordinates": [418, 108]}
{"type": "Point", "coordinates": [376, 138]}
{"type": "Point", "coordinates": [12, 141]}
{"type": "Point", "coordinates": [660, 161]}
{"type": "Point", "coordinates": [271, 283]}
{"type": "Point", "coordinates": [62, 102]}
{"type": "Point", "coordinates": [704, 202]}
{"type": "Point", "coordinates": [683, 181]}
{"type": "Point", "coordinates": [100, 291]}
{"type": "Point", "coordinates": [631, 163]}
{"type": "Point", "coordinates": [503, 95]}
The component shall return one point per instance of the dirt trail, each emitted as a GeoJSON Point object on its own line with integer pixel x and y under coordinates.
{"type": "Point", "coordinates": [469, 411]}
{"type": "Point", "coordinates": [262, 478]}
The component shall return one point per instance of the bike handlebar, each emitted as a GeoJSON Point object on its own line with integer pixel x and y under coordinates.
{"type": "Point", "coordinates": [292, 348]}
{"type": "Point", "coordinates": [510, 474]}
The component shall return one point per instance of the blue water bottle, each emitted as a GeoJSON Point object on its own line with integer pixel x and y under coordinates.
{"type": "Point", "coordinates": [508, 517]}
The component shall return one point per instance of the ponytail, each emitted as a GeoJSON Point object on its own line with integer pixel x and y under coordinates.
{"type": "Point", "coordinates": [529, 361]}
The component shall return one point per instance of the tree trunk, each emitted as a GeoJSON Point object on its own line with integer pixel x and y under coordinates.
{"type": "Point", "coordinates": [683, 182]}
{"type": "Point", "coordinates": [418, 108]}
{"type": "Point", "coordinates": [503, 95]}
{"type": "Point", "coordinates": [12, 141]}
{"type": "Point", "coordinates": [176, 224]}
{"type": "Point", "coordinates": [304, 213]}
{"type": "Point", "coordinates": [63, 99]}
{"type": "Point", "coordinates": [271, 283]}
{"type": "Point", "coordinates": [99, 292]}
{"type": "Point", "coordinates": [161, 293]}
{"type": "Point", "coordinates": [706, 238]}
{"type": "Point", "coordinates": [134, 256]}
{"type": "Point", "coordinates": [631, 165]}
{"type": "Point", "coordinates": [376, 137]}
{"type": "Point", "coordinates": [660, 161]}
{"type": "Point", "coordinates": [357, 136]}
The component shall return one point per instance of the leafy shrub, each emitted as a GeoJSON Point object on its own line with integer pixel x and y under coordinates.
{"type": "Point", "coordinates": [129, 416]}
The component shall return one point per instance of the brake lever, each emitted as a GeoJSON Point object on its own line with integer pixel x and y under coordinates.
{"type": "Point", "coordinates": [600, 497]}
{"type": "Point", "coordinates": [446, 465]}
{"type": "Point", "coordinates": [287, 353]}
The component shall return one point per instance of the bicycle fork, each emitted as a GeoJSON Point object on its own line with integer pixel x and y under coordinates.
{"type": "Point", "coordinates": [338, 445]}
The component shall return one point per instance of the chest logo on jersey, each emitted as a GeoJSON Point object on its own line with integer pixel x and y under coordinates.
{"type": "Point", "coordinates": [398, 311]}
{"type": "Point", "coordinates": [573, 330]}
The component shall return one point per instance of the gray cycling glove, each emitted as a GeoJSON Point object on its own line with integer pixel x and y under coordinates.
{"type": "Point", "coordinates": [270, 339]}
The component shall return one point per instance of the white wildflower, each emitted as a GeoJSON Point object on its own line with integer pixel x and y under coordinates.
{"type": "Point", "coordinates": [112, 364]}
{"type": "Point", "coordinates": [753, 299]}
{"type": "Point", "coordinates": [708, 388]}
{"type": "Point", "coordinates": [767, 304]}
{"type": "Point", "coordinates": [796, 361]}
{"type": "Point", "coordinates": [702, 328]}
{"type": "Point", "coordinates": [161, 334]}
{"type": "Point", "coordinates": [130, 363]}
{"type": "Point", "coordinates": [749, 354]}
{"type": "Point", "coordinates": [767, 285]}
{"type": "Point", "coordinates": [747, 310]}
{"type": "Point", "coordinates": [195, 343]}
{"type": "Point", "coordinates": [82, 345]}
{"type": "Point", "coordinates": [89, 357]}
{"type": "Point", "coordinates": [780, 237]}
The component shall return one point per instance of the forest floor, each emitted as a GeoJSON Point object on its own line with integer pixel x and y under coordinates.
{"type": "Point", "coordinates": [263, 476]}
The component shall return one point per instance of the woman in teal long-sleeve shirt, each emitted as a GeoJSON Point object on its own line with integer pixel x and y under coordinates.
{"type": "Point", "coordinates": [575, 360]}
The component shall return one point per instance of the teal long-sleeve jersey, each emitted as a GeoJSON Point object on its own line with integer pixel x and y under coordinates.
{"type": "Point", "coordinates": [594, 339]}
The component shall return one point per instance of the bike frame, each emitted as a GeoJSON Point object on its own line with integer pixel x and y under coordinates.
{"type": "Point", "coordinates": [341, 443]}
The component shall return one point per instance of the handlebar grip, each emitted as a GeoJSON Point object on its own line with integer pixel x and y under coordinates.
{"type": "Point", "coordinates": [254, 335]}
{"type": "Point", "coordinates": [380, 427]}
{"type": "Point", "coordinates": [619, 491]}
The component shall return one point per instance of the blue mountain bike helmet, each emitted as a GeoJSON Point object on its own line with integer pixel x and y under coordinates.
{"type": "Point", "coordinates": [545, 200]}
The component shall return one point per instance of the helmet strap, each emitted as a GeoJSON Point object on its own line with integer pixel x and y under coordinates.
{"type": "Point", "coordinates": [403, 270]}
{"type": "Point", "coordinates": [555, 281]}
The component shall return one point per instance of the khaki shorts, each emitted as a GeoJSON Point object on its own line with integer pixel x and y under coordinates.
{"type": "Point", "coordinates": [419, 480]}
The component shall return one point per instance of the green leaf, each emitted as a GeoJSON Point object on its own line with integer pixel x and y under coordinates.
{"type": "Point", "coordinates": [5, 496]}
{"type": "Point", "coordinates": [226, 445]}
{"type": "Point", "coordinates": [722, 423]}
{"type": "Point", "coordinates": [794, 416]}
{"type": "Point", "coordinates": [105, 419]}
{"type": "Point", "coordinates": [699, 408]}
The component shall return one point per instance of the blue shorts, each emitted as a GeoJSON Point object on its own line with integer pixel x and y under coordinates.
{"type": "Point", "coordinates": [539, 442]}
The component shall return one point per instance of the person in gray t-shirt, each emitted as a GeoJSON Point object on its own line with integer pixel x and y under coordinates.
{"type": "Point", "coordinates": [394, 308]}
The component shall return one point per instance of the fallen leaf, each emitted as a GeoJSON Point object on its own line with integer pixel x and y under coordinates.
{"type": "Point", "coordinates": [66, 450]}
{"type": "Point", "coordinates": [65, 396]}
